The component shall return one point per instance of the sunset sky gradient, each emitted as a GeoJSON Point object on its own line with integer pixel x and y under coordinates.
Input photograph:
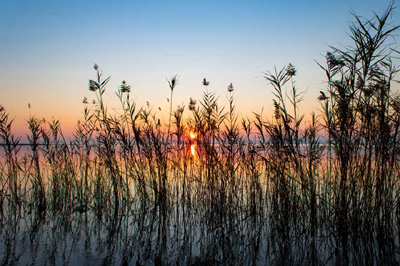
{"type": "Point", "coordinates": [48, 49]}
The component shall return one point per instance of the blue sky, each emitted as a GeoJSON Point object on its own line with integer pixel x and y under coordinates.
{"type": "Point", "coordinates": [48, 49]}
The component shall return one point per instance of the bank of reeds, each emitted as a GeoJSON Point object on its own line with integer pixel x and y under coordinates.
{"type": "Point", "coordinates": [243, 191]}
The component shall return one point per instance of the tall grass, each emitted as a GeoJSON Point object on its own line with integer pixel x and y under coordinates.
{"type": "Point", "coordinates": [280, 191]}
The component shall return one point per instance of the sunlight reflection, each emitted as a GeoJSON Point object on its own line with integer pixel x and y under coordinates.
{"type": "Point", "coordinates": [193, 150]}
{"type": "Point", "coordinates": [192, 136]}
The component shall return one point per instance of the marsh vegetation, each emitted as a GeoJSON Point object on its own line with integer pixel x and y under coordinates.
{"type": "Point", "coordinates": [210, 187]}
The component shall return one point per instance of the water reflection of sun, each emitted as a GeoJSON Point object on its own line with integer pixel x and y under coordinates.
{"type": "Point", "coordinates": [193, 149]}
{"type": "Point", "coordinates": [192, 145]}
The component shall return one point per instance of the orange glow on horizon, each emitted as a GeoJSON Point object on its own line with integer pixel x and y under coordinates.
{"type": "Point", "coordinates": [192, 135]}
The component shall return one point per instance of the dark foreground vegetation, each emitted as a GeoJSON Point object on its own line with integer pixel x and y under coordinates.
{"type": "Point", "coordinates": [128, 190]}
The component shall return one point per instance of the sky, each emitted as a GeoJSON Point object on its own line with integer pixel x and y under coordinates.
{"type": "Point", "coordinates": [48, 49]}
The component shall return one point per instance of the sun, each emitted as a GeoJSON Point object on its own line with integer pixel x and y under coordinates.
{"type": "Point", "coordinates": [192, 135]}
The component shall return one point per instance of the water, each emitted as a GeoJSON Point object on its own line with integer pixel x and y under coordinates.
{"type": "Point", "coordinates": [260, 216]}
{"type": "Point", "coordinates": [182, 235]}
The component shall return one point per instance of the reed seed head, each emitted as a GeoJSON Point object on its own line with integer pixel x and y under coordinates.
{"type": "Point", "coordinates": [125, 87]}
{"type": "Point", "coordinates": [93, 86]}
{"type": "Point", "coordinates": [322, 96]}
{"type": "Point", "coordinates": [291, 70]}
{"type": "Point", "coordinates": [230, 88]}
{"type": "Point", "coordinates": [192, 104]}
{"type": "Point", "coordinates": [173, 82]}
